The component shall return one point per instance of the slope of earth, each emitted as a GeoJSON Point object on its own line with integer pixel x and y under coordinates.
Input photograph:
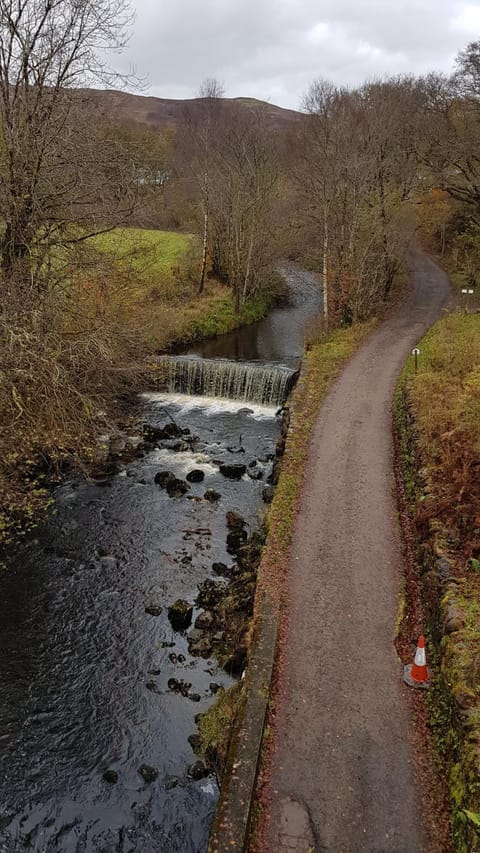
{"type": "Point", "coordinates": [342, 751]}
{"type": "Point", "coordinates": [160, 113]}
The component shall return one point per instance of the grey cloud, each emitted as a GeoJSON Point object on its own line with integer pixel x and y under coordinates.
{"type": "Point", "coordinates": [273, 49]}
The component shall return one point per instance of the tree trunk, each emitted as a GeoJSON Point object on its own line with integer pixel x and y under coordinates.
{"type": "Point", "coordinates": [203, 270]}
{"type": "Point", "coordinates": [325, 269]}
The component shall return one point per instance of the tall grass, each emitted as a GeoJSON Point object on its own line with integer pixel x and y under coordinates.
{"type": "Point", "coordinates": [445, 395]}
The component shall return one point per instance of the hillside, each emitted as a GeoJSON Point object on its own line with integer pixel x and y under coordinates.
{"type": "Point", "coordinates": [160, 113]}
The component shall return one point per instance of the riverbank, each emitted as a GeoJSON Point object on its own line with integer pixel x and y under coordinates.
{"type": "Point", "coordinates": [63, 375]}
{"type": "Point", "coordinates": [437, 417]}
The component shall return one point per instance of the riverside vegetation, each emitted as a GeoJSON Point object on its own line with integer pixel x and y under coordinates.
{"type": "Point", "coordinates": [438, 422]}
{"type": "Point", "coordinates": [139, 297]}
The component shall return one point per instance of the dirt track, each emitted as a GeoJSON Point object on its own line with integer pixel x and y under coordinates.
{"type": "Point", "coordinates": [341, 736]}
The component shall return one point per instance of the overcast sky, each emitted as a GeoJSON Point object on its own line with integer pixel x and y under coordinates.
{"type": "Point", "coordinates": [272, 49]}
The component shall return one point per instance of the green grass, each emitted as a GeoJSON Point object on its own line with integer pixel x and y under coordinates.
{"type": "Point", "coordinates": [322, 363]}
{"type": "Point", "coordinates": [147, 253]}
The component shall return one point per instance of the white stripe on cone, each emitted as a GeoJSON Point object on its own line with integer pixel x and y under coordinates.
{"type": "Point", "coordinates": [420, 658]}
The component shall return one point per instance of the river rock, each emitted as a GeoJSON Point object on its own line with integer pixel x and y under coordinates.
{"type": "Point", "coordinates": [176, 488]}
{"type": "Point", "coordinates": [163, 477]}
{"type": "Point", "coordinates": [210, 594]}
{"type": "Point", "coordinates": [152, 686]}
{"type": "Point", "coordinates": [195, 476]}
{"type": "Point", "coordinates": [194, 697]}
{"type": "Point", "coordinates": [202, 648]}
{"type": "Point", "coordinates": [199, 770]}
{"type": "Point", "coordinates": [153, 609]}
{"type": "Point", "coordinates": [195, 635]}
{"type": "Point", "coordinates": [268, 493]}
{"type": "Point", "coordinates": [204, 620]}
{"type": "Point", "coordinates": [177, 685]}
{"type": "Point", "coordinates": [234, 471]}
{"type": "Point", "coordinates": [103, 551]}
{"type": "Point", "coordinates": [171, 430]}
{"type": "Point", "coordinates": [172, 782]}
{"type": "Point", "coordinates": [180, 614]}
{"type": "Point", "coordinates": [195, 741]}
{"type": "Point", "coordinates": [235, 540]}
{"type": "Point", "coordinates": [220, 569]}
{"type": "Point", "coordinates": [148, 774]}
{"type": "Point", "coordinates": [179, 446]}
{"type": "Point", "coordinates": [214, 687]}
{"type": "Point", "coordinates": [111, 776]}
{"type": "Point", "coordinates": [234, 520]}
{"type": "Point", "coordinates": [212, 496]}
{"type": "Point", "coordinates": [153, 433]}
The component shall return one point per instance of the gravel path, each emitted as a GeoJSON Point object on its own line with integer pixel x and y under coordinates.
{"type": "Point", "coordinates": [342, 775]}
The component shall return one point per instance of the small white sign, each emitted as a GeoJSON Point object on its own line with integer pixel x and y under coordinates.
{"type": "Point", "coordinates": [464, 290]}
{"type": "Point", "coordinates": [415, 351]}
{"type": "Point", "coordinates": [467, 290]}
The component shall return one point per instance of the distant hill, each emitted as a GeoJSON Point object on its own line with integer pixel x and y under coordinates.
{"type": "Point", "coordinates": [160, 113]}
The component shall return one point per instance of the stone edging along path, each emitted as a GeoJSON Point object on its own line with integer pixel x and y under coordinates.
{"type": "Point", "coordinates": [232, 821]}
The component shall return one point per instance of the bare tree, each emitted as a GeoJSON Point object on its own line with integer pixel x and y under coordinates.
{"type": "Point", "coordinates": [62, 175]}
{"type": "Point", "coordinates": [211, 88]}
{"type": "Point", "coordinates": [357, 169]}
{"type": "Point", "coordinates": [204, 125]}
{"type": "Point", "coordinates": [244, 181]}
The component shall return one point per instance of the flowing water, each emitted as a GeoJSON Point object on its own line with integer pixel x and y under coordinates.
{"type": "Point", "coordinates": [84, 669]}
{"type": "Point", "coordinates": [231, 380]}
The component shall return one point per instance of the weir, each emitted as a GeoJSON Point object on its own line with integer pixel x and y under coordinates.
{"type": "Point", "coordinates": [232, 380]}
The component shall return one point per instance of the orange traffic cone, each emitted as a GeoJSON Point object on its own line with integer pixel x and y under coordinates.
{"type": "Point", "coordinates": [417, 674]}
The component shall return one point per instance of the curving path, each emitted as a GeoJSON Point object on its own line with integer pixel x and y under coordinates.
{"type": "Point", "coordinates": [342, 777]}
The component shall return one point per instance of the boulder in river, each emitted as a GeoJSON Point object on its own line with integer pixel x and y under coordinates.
{"type": "Point", "coordinates": [180, 614]}
{"type": "Point", "coordinates": [161, 478]}
{"type": "Point", "coordinates": [180, 446]}
{"type": "Point", "coordinates": [176, 488]}
{"type": "Point", "coordinates": [199, 770]}
{"type": "Point", "coordinates": [148, 774]}
{"type": "Point", "coordinates": [178, 685]}
{"type": "Point", "coordinates": [204, 620]}
{"type": "Point", "coordinates": [195, 741]}
{"type": "Point", "coordinates": [153, 609]}
{"type": "Point", "coordinates": [195, 476]}
{"type": "Point", "coordinates": [111, 776]}
{"type": "Point", "coordinates": [235, 520]}
{"type": "Point", "coordinates": [210, 593]}
{"type": "Point", "coordinates": [234, 471]}
{"type": "Point", "coordinates": [268, 493]}
{"type": "Point", "coordinates": [202, 648]}
{"type": "Point", "coordinates": [212, 496]}
{"type": "Point", "coordinates": [235, 540]}
{"type": "Point", "coordinates": [154, 433]}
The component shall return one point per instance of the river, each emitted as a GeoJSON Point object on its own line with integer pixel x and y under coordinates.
{"type": "Point", "coordinates": [87, 649]}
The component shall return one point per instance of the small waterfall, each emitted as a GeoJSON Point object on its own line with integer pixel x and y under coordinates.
{"type": "Point", "coordinates": [231, 380]}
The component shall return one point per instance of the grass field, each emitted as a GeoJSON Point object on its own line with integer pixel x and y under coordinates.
{"type": "Point", "coordinates": [147, 253]}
